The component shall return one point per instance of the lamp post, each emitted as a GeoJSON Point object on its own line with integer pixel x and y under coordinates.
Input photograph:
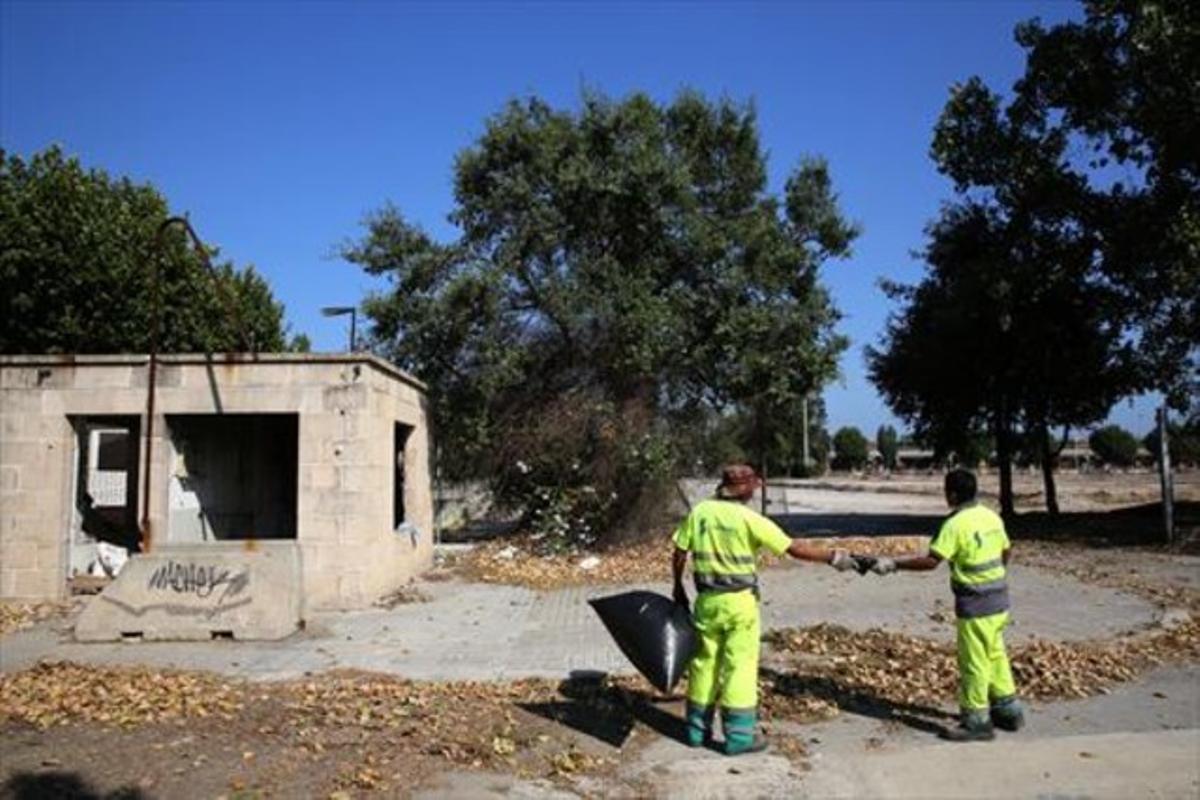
{"type": "Point", "coordinates": [339, 311]}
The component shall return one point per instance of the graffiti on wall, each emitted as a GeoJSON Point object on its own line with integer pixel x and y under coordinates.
{"type": "Point", "coordinates": [199, 579]}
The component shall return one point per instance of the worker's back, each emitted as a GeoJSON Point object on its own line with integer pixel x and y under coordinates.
{"type": "Point", "coordinates": [724, 538]}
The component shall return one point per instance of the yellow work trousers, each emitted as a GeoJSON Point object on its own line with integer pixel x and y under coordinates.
{"type": "Point", "coordinates": [724, 670]}
{"type": "Point", "coordinates": [984, 673]}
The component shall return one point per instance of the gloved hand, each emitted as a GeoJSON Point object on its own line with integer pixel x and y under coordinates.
{"type": "Point", "coordinates": [681, 597]}
{"type": "Point", "coordinates": [842, 560]}
{"type": "Point", "coordinates": [863, 563]}
{"type": "Point", "coordinates": [884, 566]}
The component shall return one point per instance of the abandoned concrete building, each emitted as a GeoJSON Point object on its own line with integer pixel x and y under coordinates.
{"type": "Point", "coordinates": [269, 487]}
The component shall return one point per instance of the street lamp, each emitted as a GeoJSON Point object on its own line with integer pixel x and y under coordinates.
{"type": "Point", "coordinates": [339, 311]}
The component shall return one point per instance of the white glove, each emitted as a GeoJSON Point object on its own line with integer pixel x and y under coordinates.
{"type": "Point", "coordinates": [841, 560]}
{"type": "Point", "coordinates": [884, 566]}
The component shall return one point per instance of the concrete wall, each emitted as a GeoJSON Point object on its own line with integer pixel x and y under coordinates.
{"type": "Point", "coordinates": [348, 406]}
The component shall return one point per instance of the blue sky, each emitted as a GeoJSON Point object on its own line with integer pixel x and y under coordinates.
{"type": "Point", "coordinates": [278, 126]}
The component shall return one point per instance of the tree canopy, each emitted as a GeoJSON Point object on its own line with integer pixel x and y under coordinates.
{"type": "Point", "coordinates": [1052, 289]}
{"type": "Point", "coordinates": [1114, 445]}
{"type": "Point", "coordinates": [628, 254]}
{"type": "Point", "coordinates": [850, 449]}
{"type": "Point", "coordinates": [75, 246]}
{"type": "Point", "coordinates": [1123, 85]}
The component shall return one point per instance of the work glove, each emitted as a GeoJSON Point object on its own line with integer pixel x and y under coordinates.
{"type": "Point", "coordinates": [681, 597]}
{"type": "Point", "coordinates": [863, 563]}
{"type": "Point", "coordinates": [842, 561]}
{"type": "Point", "coordinates": [884, 566]}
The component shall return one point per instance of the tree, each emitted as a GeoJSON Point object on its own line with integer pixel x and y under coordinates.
{"type": "Point", "coordinates": [850, 449]}
{"type": "Point", "coordinates": [1125, 84]}
{"type": "Point", "coordinates": [1183, 442]}
{"type": "Point", "coordinates": [629, 253]}
{"type": "Point", "coordinates": [1114, 445]}
{"type": "Point", "coordinates": [75, 246]}
{"type": "Point", "coordinates": [888, 445]}
{"type": "Point", "coordinates": [1014, 329]}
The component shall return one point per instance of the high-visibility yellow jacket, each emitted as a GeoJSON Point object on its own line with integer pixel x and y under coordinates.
{"type": "Point", "coordinates": [972, 540]}
{"type": "Point", "coordinates": [724, 538]}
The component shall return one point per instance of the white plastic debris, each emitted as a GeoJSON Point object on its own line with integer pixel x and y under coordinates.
{"type": "Point", "coordinates": [591, 562]}
{"type": "Point", "coordinates": [110, 559]}
{"type": "Point", "coordinates": [507, 554]}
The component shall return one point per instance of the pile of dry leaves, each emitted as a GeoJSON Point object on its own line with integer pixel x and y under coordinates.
{"type": "Point", "coordinates": [53, 693]}
{"type": "Point", "coordinates": [837, 665]}
{"type": "Point", "coordinates": [517, 560]}
{"type": "Point", "coordinates": [19, 616]}
{"type": "Point", "coordinates": [470, 724]}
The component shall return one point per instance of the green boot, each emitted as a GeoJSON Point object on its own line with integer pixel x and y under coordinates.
{"type": "Point", "coordinates": [973, 726]}
{"type": "Point", "coordinates": [699, 724]}
{"type": "Point", "coordinates": [1007, 713]}
{"type": "Point", "coordinates": [740, 737]}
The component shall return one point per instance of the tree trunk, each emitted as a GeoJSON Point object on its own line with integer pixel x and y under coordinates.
{"type": "Point", "coordinates": [1004, 460]}
{"type": "Point", "coordinates": [1048, 457]}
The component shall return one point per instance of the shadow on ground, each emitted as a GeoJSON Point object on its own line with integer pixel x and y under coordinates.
{"type": "Point", "coordinates": [61, 785]}
{"type": "Point", "coordinates": [595, 707]}
{"type": "Point", "coordinates": [927, 719]}
{"type": "Point", "coordinates": [1130, 526]}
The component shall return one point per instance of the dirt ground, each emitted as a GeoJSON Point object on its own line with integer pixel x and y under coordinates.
{"type": "Point", "coordinates": [1077, 491]}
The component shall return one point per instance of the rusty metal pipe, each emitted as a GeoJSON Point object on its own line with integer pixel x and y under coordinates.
{"type": "Point", "coordinates": [152, 368]}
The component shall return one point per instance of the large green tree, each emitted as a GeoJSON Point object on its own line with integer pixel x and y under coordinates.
{"type": "Point", "coordinates": [1015, 328]}
{"type": "Point", "coordinates": [75, 250]}
{"type": "Point", "coordinates": [1124, 84]}
{"type": "Point", "coordinates": [626, 253]}
{"type": "Point", "coordinates": [1059, 283]}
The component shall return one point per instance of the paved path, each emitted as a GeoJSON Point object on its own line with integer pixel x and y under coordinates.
{"type": "Point", "coordinates": [484, 632]}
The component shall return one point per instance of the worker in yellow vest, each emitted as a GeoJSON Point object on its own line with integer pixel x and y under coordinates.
{"type": "Point", "coordinates": [723, 538]}
{"type": "Point", "coordinates": [973, 541]}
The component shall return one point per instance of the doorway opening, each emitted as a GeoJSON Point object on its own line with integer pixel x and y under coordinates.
{"type": "Point", "coordinates": [232, 477]}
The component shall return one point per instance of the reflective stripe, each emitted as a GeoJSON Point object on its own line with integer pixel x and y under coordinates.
{"type": "Point", "coordinates": [983, 566]}
{"type": "Point", "coordinates": [980, 599]}
{"type": "Point", "coordinates": [726, 558]}
{"type": "Point", "coordinates": [713, 582]}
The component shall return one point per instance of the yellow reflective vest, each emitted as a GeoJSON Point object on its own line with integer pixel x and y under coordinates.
{"type": "Point", "coordinates": [724, 538]}
{"type": "Point", "coordinates": [972, 540]}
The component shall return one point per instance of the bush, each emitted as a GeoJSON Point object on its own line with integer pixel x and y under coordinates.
{"type": "Point", "coordinates": [850, 450]}
{"type": "Point", "coordinates": [584, 471]}
{"type": "Point", "coordinates": [1114, 445]}
{"type": "Point", "coordinates": [888, 445]}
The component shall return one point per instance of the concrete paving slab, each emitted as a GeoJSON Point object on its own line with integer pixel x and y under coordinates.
{"type": "Point", "coordinates": [483, 632]}
{"type": "Point", "coordinates": [1159, 764]}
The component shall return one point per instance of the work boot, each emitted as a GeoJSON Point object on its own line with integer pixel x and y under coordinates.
{"type": "Point", "coordinates": [1007, 713]}
{"type": "Point", "coordinates": [699, 724]}
{"type": "Point", "coordinates": [974, 726]}
{"type": "Point", "coordinates": [740, 747]}
{"type": "Point", "coordinates": [740, 736]}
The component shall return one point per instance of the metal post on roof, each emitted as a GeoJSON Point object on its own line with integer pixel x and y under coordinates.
{"type": "Point", "coordinates": [231, 309]}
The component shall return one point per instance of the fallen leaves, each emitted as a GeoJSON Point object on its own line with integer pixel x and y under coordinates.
{"type": "Point", "coordinates": [518, 560]}
{"type": "Point", "coordinates": [53, 693]}
{"type": "Point", "coordinates": [832, 665]}
{"type": "Point", "coordinates": [20, 616]}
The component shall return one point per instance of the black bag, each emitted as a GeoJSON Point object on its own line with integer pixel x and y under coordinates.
{"type": "Point", "coordinates": [654, 632]}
